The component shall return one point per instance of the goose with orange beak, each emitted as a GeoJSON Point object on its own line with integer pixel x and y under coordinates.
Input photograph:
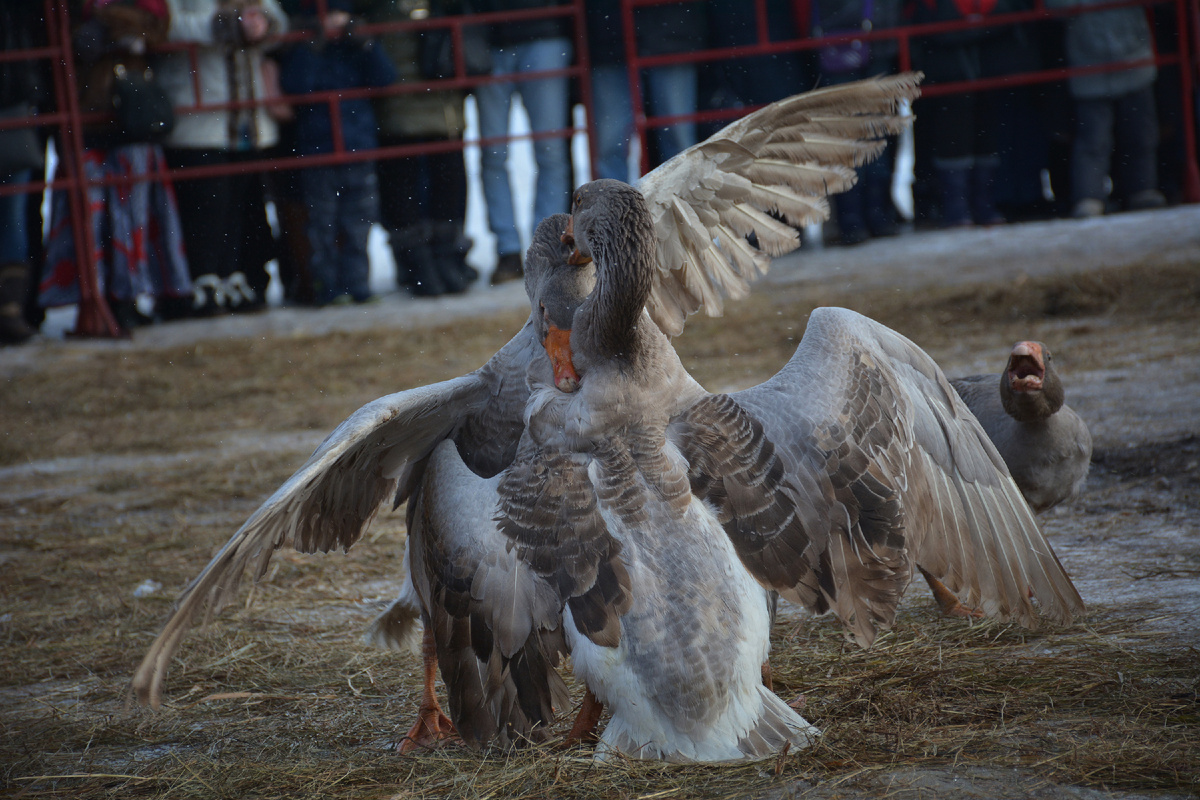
{"type": "Point", "coordinates": [1046, 445]}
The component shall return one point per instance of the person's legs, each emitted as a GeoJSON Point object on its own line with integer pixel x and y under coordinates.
{"type": "Point", "coordinates": [614, 120]}
{"type": "Point", "coordinates": [1091, 154]}
{"type": "Point", "coordinates": [949, 120]}
{"type": "Point", "coordinates": [672, 90]}
{"type": "Point", "coordinates": [446, 187]}
{"type": "Point", "coordinates": [399, 205]}
{"type": "Point", "coordinates": [208, 213]}
{"type": "Point", "coordinates": [256, 242]}
{"type": "Point", "coordinates": [320, 196]}
{"type": "Point", "coordinates": [446, 177]}
{"type": "Point", "coordinates": [357, 208]}
{"type": "Point", "coordinates": [547, 102]}
{"type": "Point", "coordinates": [494, 101]}
{"type": "Point", "coordinates": [1135, 160]}
{"type": "Point", "coordinates": [14, 266]}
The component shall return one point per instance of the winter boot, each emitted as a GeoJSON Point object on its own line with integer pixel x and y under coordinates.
{"type": "Point", "coordinates": [414, 246]}
{"type": "Point", "coordinates": [983, 180]}
{"type": "Point", "coordinates": [878, 209]}
{"type": "Point", "coordinates": [14, 284]}
{"type": "Point", "coordinates": [955, 182]}
{"type": "Point", "coordinates": [852, 228]}
{"type": "Point", "coordinates": [450, 247]}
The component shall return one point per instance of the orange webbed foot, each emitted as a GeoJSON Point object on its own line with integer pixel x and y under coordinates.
{"type": "Point", "coordinates": [947, 600]}
{"type": "Point", "coordinates": [584, 729]}
{"type": "Point", "coordinates": [432, 729]}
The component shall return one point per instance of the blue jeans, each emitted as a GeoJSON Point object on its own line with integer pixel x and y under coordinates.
{"type": "Point", "coordinates": [546, 101]}
{"type": "Point", "coordinates": [669, 91]}
{"type": "Point", "coordinates": [342, 203]}
{"type": "Point", "coordinates": [14, 242]}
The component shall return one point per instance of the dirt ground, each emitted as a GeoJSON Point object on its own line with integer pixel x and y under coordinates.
{"type": "Point", "coordinates": [124, 465]}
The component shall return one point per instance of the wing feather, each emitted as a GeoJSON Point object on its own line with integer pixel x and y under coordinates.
{"type": "Point", "coordinates": [783, 160]}
{"type": "Point", "coordinates": [898, 471]}
{"type": "Point", "coordinates": [333, 497]}
{"type": "Point", "coordinates": [497, 624]}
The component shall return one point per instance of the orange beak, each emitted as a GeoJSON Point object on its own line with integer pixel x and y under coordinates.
{"type": "Point", "coordinates": [558, 348]}
{"type": "Point", "coordinates": [576, 259]}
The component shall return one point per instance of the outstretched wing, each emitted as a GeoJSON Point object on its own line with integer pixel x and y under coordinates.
{"type": "Point", "coordinates": [329, 501]}
{"type": "Point", "coordinates": [724, 208]}
{"type": "Point", "coordinates": [855, 461]}
{"type": "Point", "coordinates": [497, 623]}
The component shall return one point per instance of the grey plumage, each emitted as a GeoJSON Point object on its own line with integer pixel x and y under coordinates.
{"type": "Point", "coordinates": [1045, 444]}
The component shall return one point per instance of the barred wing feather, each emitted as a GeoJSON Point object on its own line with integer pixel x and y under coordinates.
{"type": "Point", "coordinates": [761, 176]}
{"type": "Point", "coordinates": [326, 504]}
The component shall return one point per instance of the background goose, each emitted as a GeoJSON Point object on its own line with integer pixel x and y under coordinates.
{"type": "Point", "coordinates": [1045, 444]}
{"type": "Point", "coordinates": [715, 209]}
{"type": "Point", "coordinates": [659, 506]}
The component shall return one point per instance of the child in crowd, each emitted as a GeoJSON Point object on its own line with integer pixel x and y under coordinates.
{"type": "Point", "coordinates": [342, 199]}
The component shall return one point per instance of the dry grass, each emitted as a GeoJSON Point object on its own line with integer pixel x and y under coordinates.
{"type": "Point", "coordinates": [278, 699]}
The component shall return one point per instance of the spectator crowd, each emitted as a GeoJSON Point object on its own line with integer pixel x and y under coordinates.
{"type": "Point", "coordinates": [205, 86]}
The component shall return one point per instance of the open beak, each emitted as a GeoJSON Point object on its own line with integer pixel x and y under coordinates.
{"type": "Point", "coordinates": [576, 259]}
{"type": "Point", "coordinates": [1026, 367]}
{"type": "Point", "coordinates": [558, 348]}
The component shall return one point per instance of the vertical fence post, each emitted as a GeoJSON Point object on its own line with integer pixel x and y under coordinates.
{"type": "Point", "coordinates": [583, 60]}
{"type": "Point", "coordinates": [94, 318]}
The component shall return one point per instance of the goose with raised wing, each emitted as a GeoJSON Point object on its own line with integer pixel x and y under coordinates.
{"type": "Point", "coordinates": [716, 214]}
{"type": "Point", "coordinates": [662, 514]}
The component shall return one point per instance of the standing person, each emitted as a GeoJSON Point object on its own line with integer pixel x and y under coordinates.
{"type": "Point", "coordinates": [517, 48]}
{"type": "Point", "coordinates": [865, 209]}
{"type": "Point", "coordinates": [21, 88]}
{"type": "Point", "coordinates": [961, 127]}
{"type": "Point", "coordinates": [342, 199]}
{"type": "Point", "coordinates": [423, 198]}
{"type": "Point", "coordinates": [670, 90]}
{"type": "Point", "coordinates": [1112, 107]}
{"type": "Point", "coordinates": [224, 218]}
{"type": "Point", "coordinates": [134, 224]}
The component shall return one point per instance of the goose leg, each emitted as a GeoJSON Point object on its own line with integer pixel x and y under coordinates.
{"type": "Point", "coordinates": [584, 729]}
{"type": "Point", "coordinates": [947, 600]}
{"type": "Point", "coordinates": [766, 675]}
{"type": "Point", "coordinates": [432, 726]}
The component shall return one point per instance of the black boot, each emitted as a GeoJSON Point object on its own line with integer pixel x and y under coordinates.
{"type": "Point", "coordinates": [422, 276]}
{"type": "Point", "coordinates": [955, 183]}
{"type": "Point", "coordinates": [852, 227]}
{"type": "Point", "coordinates": [14, 285]}
{"type": "Point", "coordinates": [878, 209]}
{"type": "Point", "coordinates": [983, 204]}
{"type": "Point", "coordinates": [450, 247]}
{"type": "Point", "coordinates": [400, 256]}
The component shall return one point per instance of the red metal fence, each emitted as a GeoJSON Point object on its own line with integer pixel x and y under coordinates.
{"type": "Point", "coordinates": [67, 119]}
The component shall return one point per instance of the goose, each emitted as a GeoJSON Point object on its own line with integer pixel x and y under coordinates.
{"type": "Point", "coordinates": [380, 452]}
{"type": "Point", "coordinates": [720, 211]}
{"type": "Point", "coordinates": [664, 514]}
{"type": "Point", "coordinates": [1045, 444]}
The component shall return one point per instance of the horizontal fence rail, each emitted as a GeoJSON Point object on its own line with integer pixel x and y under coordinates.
{"type": "Point", "coordinates": [67, 120]}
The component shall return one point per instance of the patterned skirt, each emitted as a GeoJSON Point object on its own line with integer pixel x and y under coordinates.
{"type": "Point", "coordinates": [135, 227]}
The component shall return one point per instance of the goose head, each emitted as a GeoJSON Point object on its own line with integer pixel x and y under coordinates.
{"type": "Point", "coordinates": [556, 287]}
{"type": "Point", "coordinates": [1030, 388]}
{"type": "Point", "coordinates": [611, 226]}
